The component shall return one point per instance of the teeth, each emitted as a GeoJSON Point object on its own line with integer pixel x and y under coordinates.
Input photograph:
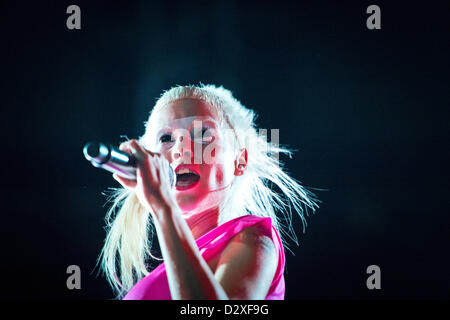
{"type": "Point", "coordinates": [185, 170]}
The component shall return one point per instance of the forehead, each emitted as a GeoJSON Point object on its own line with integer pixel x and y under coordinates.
{"type": "Point", "coordinates": [184, 108]}
{"type": "Point", "coordinates": [183, 113]}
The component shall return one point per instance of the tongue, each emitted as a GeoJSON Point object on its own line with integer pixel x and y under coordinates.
{"type": "Point", "coordinates": [186, 179]}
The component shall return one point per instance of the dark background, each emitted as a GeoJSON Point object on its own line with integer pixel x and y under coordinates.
{"type": "Point", "coordinates": [366, 110]}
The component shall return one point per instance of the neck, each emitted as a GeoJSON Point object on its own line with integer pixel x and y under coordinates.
{"type": "Point", "coordinates": [202, 222]}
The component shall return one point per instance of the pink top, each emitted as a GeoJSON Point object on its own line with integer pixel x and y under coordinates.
{"type": "Point", "coordinates": [156, 287]}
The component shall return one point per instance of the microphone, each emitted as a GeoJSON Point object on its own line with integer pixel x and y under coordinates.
{"type": "Point", "coordinates": [114, 160]}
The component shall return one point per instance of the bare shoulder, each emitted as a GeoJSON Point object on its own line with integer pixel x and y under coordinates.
{"type": "Point", "coordinates": [256, 237]}
{"type": "Point", "coordinates": [250, 256]}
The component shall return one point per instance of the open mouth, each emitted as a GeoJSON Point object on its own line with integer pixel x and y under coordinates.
{"type": "Point", "coordinates": [186, 179]}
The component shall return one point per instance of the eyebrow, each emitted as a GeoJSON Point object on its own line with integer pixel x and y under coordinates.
{"type": "Point", "coordinates": [209, 121]}
{"type": "Point", "coordinates": [163, 130]}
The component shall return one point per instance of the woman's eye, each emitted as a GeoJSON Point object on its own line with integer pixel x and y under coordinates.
{"type": "Point", "coordinates": [206, 136]}
{"type": "Point", "coordinates": [165, 138]}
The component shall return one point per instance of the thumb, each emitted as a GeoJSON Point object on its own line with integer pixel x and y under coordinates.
{"type": "Point", "coordinates": [126, 183]}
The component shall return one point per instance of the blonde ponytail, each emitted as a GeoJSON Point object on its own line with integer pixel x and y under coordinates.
{"type": "Point", "coordinates": [128, 242]}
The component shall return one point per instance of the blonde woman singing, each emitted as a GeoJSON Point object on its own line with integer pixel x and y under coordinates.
{"type": "Point", "coordinates": [221, 227]}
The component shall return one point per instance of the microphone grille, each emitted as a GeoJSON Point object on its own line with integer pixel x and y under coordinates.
{"type": "Point", "coordinates": [172, 177]}
{"type": "Point", "coordinates": [96, 152]}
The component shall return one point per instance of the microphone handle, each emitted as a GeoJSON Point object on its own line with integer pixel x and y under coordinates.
{"type": "Point", "coordinates": [126, 171]}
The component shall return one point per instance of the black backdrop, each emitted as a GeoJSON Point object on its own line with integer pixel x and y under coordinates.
{"type": "Point", "coordinates": [367, 111]}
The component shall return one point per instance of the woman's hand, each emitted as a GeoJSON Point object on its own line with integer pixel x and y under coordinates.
{"type": "Point", "coordinates": [152, 185]}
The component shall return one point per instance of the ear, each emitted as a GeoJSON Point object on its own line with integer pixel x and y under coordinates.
{"type": "Point", "coordinates": [240, 164]}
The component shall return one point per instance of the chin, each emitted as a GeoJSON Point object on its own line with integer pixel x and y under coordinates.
{"type": "Point", "coordinates": [188, 209]}
{"type": "Point", "coordinates": [187, 203]}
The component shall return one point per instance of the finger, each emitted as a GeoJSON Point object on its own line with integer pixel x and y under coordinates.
{"type": "Point", "coordinates": [124, 146]}
{"type": "Point", "coordinates": [147, 172]}
{"type": "Point", "coordinates": [147, 167]}
{"type": "Point", "coordinates": [127, 183]}
{"type": "Point", "coordinates": [164, 169]}
{"type": "Point", "coordinates": [134, 144]}
{"type": "Point", "coordinates": [165, 173]}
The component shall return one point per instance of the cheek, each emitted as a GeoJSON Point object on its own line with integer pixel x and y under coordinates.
{"type": "Point", "coordinates": [221, 168]}
{"type": "Point", "coordinates": [219, 175]}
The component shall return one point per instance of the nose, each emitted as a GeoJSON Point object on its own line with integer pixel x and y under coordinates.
{"type": "Point", "coordinates": [183, 148]}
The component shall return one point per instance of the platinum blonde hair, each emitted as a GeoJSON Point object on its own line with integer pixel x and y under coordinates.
{"type": "Point", "coordinates": [127, 248]}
